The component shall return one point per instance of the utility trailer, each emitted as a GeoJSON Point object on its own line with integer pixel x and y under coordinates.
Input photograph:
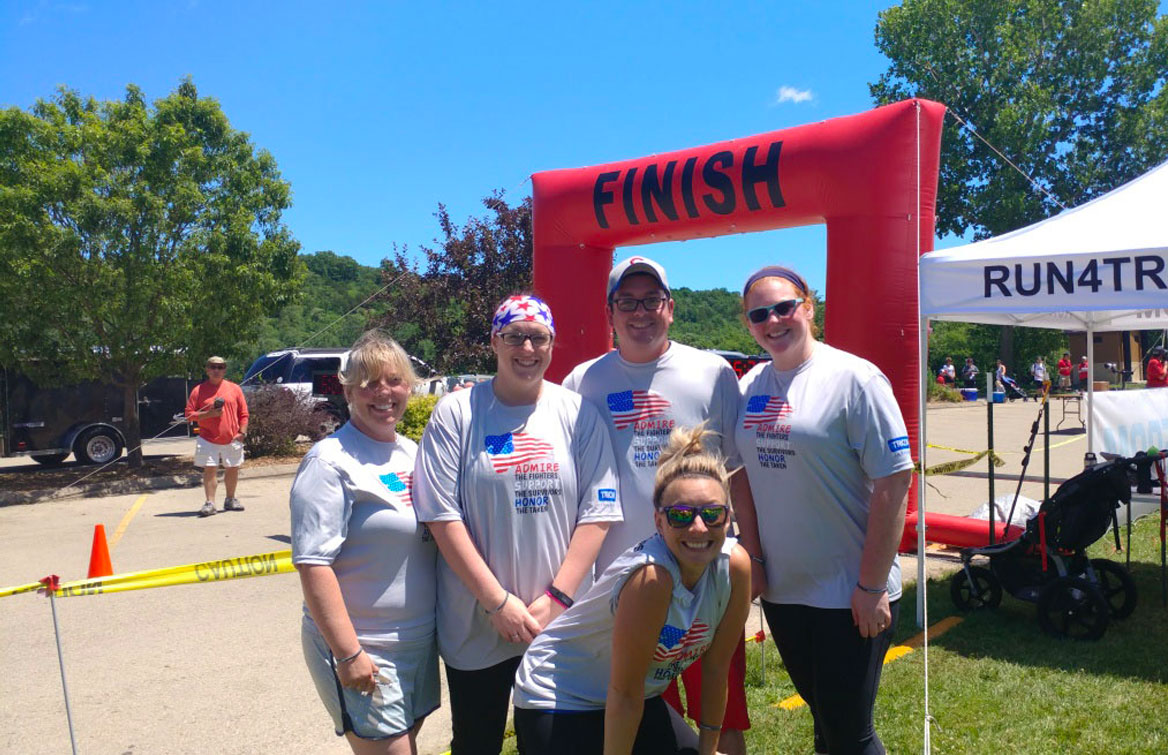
{"type": "Point", "coordinates": [85, 419]}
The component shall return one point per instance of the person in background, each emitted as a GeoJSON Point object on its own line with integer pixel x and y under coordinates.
{"type": "Point", "coordinates": [1039, 374]}
{"type": "Point", "coordinates": [1084, 373]}
{"type": "Point", "coordinates": [1064, 372]}
{"type": "Point", "coordinates": [999, 373]}
{"type": "Point", "coordinates": [367, 567]}
{"type": "Point", "coordinates": [592, 682]}
{"type": "Point", "coordinates": [948, 372]}
{"type": "Point", "coordinates": [643, 389]}
{"type": "Point", "coordinates": [1157, 372]}
{"type": "Point", "coordinates": [516, 479]}
{"type": "Point", "coordinates": [219, 407]}
{"type": "Point", "coordinates": [969, 373]}
{"type": "Point", "coordinates": [821, 508]}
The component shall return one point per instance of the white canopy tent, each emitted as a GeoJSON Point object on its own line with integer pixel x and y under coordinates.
{"type": "Point", "coordinates": [1100, 266]}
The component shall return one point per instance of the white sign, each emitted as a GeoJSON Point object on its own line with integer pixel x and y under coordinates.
{"type": "Point", "coordinates": [1130, 421]}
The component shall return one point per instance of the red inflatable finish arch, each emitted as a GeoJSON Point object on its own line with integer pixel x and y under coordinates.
{"type": "Point", "coordinates": [871, 178]}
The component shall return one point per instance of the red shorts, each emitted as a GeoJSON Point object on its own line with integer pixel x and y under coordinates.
{"type": "Point", "coordinates": [736, 716]}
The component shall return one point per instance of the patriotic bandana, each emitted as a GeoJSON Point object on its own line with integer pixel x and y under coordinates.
{"type": "Point", "coordinates": [522, 309]}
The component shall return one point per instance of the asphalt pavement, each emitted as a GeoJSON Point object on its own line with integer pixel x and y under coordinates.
{"type": "Point", "coordinates": [217, 667]}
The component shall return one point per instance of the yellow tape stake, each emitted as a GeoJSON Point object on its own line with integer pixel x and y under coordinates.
{"type": "Point", "coordinates": [897, 651]}
{"type": "Point", "coordinates": [240, 567]}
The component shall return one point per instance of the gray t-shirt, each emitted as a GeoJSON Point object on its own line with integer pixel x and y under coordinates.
{"type": "Point", "coordinates": [568, 666]}
{"type": "Point", "coordinates": [351, 509]}
{"type": "Point", "coordinates": [520, 478]}
{"type": "Point", "coordinates": [812, 440]}
{"type": "Point", "coordinates": [641, 404]}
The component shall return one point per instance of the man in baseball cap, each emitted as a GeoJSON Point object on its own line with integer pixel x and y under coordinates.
{"type": "Point", "coordinates": [218, 406]}
{"type": "Point", "coordinates": [643, 389]}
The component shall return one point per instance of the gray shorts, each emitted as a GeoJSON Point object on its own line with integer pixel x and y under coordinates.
{"type": "Point", "coordinates": [407, 686]}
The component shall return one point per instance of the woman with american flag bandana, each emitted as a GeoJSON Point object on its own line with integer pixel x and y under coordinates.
{"type": "Point", "coordinates": [516, 480]}
{"type": "Point", "coordinates": [592, 681]}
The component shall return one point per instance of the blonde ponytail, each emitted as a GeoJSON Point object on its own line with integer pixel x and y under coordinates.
{"type": "Point", "coordinates": [686, 456]}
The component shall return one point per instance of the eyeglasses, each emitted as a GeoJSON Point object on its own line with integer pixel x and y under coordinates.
{"type": "Point", "coordinates": [538, 340]}
{"type": "Point", "coordinates": [216, 367]}
{"type": "Point", "coordinates": [784, 308]}
{"type": "Point", "coordinates": [650, 303]}
{"type": "Point", "coordinates": [681, 516]}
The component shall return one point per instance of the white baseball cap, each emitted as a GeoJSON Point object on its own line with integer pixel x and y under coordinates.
{"type": "Point", "coordinates": [634, 266]}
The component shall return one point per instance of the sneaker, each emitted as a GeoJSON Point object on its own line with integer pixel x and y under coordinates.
{"type": "Point", "coordinates": [208, 509]}
{"type": "Point", "coordinates": [232, 504]}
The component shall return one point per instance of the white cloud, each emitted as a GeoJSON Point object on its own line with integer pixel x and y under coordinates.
{"type": "Point", "coordinates": [791, 94]}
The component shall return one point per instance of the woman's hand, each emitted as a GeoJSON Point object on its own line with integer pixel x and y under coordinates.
{"type": "Point", "coordinates": [543, 609]}
{"type": "Point", "coordinates": [514, 623]}
{"type": "Point", "coordinates": [359, 674]}
{"type": "Point", "coordinates": [870, 613]}
{"type": "Point", "coordinates": [758, 579]}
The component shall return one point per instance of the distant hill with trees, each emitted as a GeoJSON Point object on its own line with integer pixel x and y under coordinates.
{"type": "Point", "coordinates": [334, 284]}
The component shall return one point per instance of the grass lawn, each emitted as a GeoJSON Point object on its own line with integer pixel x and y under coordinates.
{"type": "Point", "coordinates": [998, 684]}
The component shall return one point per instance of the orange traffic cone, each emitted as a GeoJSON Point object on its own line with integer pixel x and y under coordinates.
{"type": "Point", "coordinates": [99, 560]}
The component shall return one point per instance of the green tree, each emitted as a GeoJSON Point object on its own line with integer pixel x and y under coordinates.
{"type": "Point", "coordinates": [1072, 92]}
{"type": "Point", "coordinates": [135, 239]}
{"type": "Point", "coordinates": [442, 312]}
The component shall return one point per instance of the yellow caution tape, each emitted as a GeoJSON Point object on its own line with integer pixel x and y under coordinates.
{"type": "Point", "coordinates": [954, 466]}
{"type": "Point", "coordinates": [4, 593]}
{"type": "Point", "coordinates": [240, 567]}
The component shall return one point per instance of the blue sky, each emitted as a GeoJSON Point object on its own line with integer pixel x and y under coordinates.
{"type": "Point", "coordinates": [376, 112]}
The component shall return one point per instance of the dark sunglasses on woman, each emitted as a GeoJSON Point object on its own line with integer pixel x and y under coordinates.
{"type": "Point", "coordinates": [784, 308]}
{"type": "Point", "coordinates": [681, 516]}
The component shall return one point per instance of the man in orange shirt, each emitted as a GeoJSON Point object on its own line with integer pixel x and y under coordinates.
{"type": "Point", "coordinates": [1157, 373]}
{"type": "Point", "coordinates": [1064, 372]}
{"type": "Point", "coordinates": [221, 411]}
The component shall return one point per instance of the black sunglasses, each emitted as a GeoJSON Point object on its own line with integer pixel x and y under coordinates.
{"type": "Point", "coordinates": [216, 367]}
{"type": "Point", "coordinates": [650, 303]}
{"type": "Point", "coordinates": [681, 516]}
{"type": "Point", "coordinates": [784, 308]}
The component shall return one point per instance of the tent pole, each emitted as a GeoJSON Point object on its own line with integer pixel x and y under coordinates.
{"type": "Point", "coordinates": [923, 349]}
{"type": "Point", "coordinates": [1090, 386]}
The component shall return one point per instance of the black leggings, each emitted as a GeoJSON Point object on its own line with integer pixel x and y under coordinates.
{"type": "Point", "coordinates": [544, 732]}
{"type": "Point", "coordinates": [835, 670]}
{"type": "Point", "coordinates": [478, 707]}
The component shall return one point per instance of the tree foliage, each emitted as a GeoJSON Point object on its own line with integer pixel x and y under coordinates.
{"type": "Point", "coordinates": [330, 310]}
{"type": "Point", "coordinates": [135, 239]}
{"type": "Point", "coordinates": [1071, 91]}
{"type": "Point", "coordinates": [442, 312]}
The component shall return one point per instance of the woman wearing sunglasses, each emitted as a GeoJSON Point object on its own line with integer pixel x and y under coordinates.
{"type": "Point", "coordinates": [516, 480]}
{"type": "Point", "coordinates": [821, 508]}
{"type": "Point", "coordinates": [592, 682]}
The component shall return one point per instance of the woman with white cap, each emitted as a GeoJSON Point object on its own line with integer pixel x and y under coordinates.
{"type": "Point", "coordinates": [516, 480]}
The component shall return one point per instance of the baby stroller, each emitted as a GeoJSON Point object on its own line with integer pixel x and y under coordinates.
{"type": "Point", "coordinates": [1077, 597]}
{"type": "Point", "coordinates": [1013, 390]}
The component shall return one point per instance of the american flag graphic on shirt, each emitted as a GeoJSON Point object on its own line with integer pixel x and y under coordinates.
{"type": "Point", "coordinates": [399, 482]}
{"type": "Point", "coordinates": [512, 449]}
{"type": "Point", "coordinates": [674, 641]}
{"type": "Point", "coordinates": [764, 410]}
{"type": "Point", "coordinates": [629, 407]}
